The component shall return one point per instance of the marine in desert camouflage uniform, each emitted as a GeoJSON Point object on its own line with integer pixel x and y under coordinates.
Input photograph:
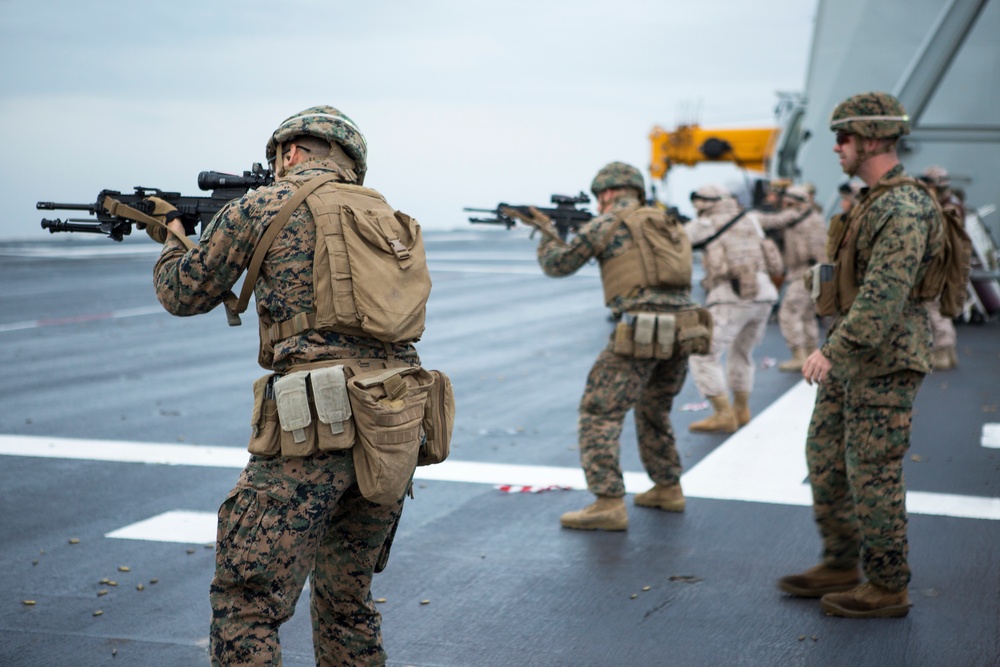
{"type": "Point", "coordinates": [618, 383]}
{"type": "Point", "coordinates": [740, 307]}
{"type": "Point", "coordinates": [945, 355]}
{"type": "Point", "coordinates": [804, 242]}
{"type": "Point", "coordinates": [869, 371]}
{"type": "Point", "coordinates": [288, 518]}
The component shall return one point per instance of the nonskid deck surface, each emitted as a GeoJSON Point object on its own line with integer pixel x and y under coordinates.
{"type": "Point", "coordinates": [123, 428]}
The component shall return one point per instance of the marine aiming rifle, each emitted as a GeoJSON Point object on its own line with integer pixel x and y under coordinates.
{"type": "Point", "coordinates": [112, 208]}
{"type": "Point", "coordinates": [566, 217]}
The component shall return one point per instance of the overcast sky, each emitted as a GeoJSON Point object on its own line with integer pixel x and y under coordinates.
{"type": "Point", "coordinates": [462, 103]}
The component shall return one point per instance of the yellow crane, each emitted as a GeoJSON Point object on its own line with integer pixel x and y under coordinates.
{"type": "Point", "coordinates": [689, 145]}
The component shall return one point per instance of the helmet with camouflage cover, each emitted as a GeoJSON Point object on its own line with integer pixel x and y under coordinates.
{"type": "Point", "coordinates": [618, 175]}
{"type": "Point", "coordinates": [871, 115]}
{"type": "Point", "coordinates": [936, 176]}
{"type": "Point", "coordinates": [330, 125]}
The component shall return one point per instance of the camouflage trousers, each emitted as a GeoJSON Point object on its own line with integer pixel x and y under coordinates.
{"type": "Point", "coordinates": [858, 436]}
{"type": "Point", "coordinates": [738, 329]}
{"type": "Point", "coordinates": [615, 385]}
{"type": "Point", "coordinates": [286, 520]}
{"type": "Point", "coordinates": [942, 327]}
{"type": "Point", "coordinates": [797, 315]}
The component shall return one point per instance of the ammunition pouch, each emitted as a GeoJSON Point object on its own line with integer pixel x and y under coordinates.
{"type": "Point", "coordinates": [663, 335]}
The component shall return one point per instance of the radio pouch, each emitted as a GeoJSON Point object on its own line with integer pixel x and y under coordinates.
{"type": "Point", "coordinates": [438, 422]}
{"type": "Point", "coordinates": [822, 286]}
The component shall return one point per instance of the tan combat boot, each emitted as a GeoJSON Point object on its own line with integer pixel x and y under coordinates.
{"type": "Point", "coordinates": [941, 359]}
{"type": "Point", "coordinates": [794, 365]}
{"type": "Point", "coordinates": [819, 580]}
{"type": "Point", "coordinates": [669, 498]}
{"type": "Point", "coordinates": [869, 600]}
{"type": "Point", "coordinates": [953, 353]}
{"type": "Point", "coordinates": [605, 514]}
{"type": "Point", "coordinates": [741, 407]}
{"type": "Point", "coordinates": [723, 421]}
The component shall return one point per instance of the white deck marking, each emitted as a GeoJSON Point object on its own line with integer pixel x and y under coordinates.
{"type": "Point", "coordinates": [762, 462]}
{"type": "Point", "coordinates": [991, 436]}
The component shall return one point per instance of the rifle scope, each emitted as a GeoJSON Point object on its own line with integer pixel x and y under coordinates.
{"type": "Point", "coordinates": [214, 180]}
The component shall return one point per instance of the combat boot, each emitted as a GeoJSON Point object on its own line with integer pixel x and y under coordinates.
{"type": "Point", "coordinates": [794, 365]}
{"type": "Point", "coordinates": [953, 353]}
{"type": "Point", "coordinates": [941, 359]}
{"type": "Point", "coordinates": [669, 498]}
{"type": "Point", "coordinates": [869, 600]}
{"type": "Point", "coordinates": [606, 513]}
{"type": "Point", "coordinates": [723, 421]}
{"type": "Point", "coordinates": [741, 407]}
{"type": "Point", "coordinates": [819, 580]}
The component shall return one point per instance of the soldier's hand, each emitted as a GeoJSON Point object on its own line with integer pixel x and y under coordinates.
{"type": "Point", "coordinates": [534, 218]}
{"type": "Point", "coordinates": [165, 212]}
{"type": "Point", "coordinates": [816, 368]}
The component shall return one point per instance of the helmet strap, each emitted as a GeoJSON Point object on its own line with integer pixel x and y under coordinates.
{"type": "Point", "coordinates": [279, 161]}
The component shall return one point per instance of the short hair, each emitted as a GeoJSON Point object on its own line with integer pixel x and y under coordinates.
{"type": "Point", "coordinates": [316, 147]}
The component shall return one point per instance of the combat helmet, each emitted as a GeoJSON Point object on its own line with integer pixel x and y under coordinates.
{"type": "Point", "coordinates": [936, 176]}
{"type": "Point", "coordinates": [799, 193]}
{"type": "Point", "coordinates": [871, 115]}
{"type": "Point", "coordinates": [328, 124]}
{"type": "Point", "coordinates": [618, 175]}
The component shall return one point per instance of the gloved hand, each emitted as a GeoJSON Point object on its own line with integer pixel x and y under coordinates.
{"type": "Point", "coordinates": [536, 219]}
{"type": "Point", "coordinates": [163, 211]}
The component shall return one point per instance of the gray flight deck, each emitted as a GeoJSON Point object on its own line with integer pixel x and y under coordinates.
{"type": "Point", "coordinates": [478, 576]}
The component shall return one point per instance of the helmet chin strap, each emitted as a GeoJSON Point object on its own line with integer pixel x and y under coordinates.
{"type": "Point", "coordinates": [279, 162]}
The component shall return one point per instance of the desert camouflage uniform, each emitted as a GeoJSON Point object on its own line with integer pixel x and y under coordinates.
{"type": "Point", "coordinates": [617, 383]}
{"type": "Point", "coordinates": [287, 518]}
{"type": "Point", "coordinates": [860, 428]}
{"type": "Point", "coordinates": [739, 323]}
{"type": "Point", "coordinates": [804, 245]}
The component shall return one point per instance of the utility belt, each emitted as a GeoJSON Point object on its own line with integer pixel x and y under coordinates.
{"type": "Point", "coordinates": [663, 335]}
{"type": "Point", "coordinates": [393, 415]}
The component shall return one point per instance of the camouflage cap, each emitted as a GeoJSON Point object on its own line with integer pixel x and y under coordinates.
{"type": "Point", "coordinates": [871, 115]}
{"type": "Point", "coordinates": [328, 124]}
{"type": "Point", "coordinates": [936, 176]}
{"type": "Point", "coordinates": [618, 175]}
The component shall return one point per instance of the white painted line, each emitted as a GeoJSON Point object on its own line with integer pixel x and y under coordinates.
{"type": "Point", "coordinates": [77, 319]}
{"type": "Point", "coordinates": [123, 452]}
{"type": "Point", "coordinates": [991, 436]}
{"type": "Point", "coordinates": [177, 526]}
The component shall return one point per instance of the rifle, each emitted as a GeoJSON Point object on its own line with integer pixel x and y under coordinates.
{"type": "Point", "coordinates": [112, 219]}
{"type": "Point", "coordinates": [566, 217]}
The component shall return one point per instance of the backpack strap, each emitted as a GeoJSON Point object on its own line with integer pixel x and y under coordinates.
{"type": "Point", "coordinates": [702, 244]}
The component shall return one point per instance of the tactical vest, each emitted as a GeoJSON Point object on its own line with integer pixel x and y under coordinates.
{"type": "Point", "coordinates": [370, 275]}
{"type": "Point", "coordinates": [659, 256]}
{"type": "Point", "coordinates": [845, 247]}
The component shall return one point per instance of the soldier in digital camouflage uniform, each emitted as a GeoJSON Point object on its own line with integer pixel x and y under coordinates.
{"type": "Point", "coordinates": [618, 383]}
{"type": "Point", "coordinates": [740, 296]}
{"type": "Point", "coordinates": [288, 518]}
{"type": "Point", "coordinates": [869, 370]}
{"type": "Point", "coordinates": [804, 241]}
{"type": "Point", "coordinates": [945, 355]}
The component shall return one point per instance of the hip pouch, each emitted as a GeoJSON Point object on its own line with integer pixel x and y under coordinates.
{"type": "Point", "coordinates": [301, 413]}
{"type": "Point", "coordinates": [821, 282]}
{"type": "Point", "coordinates": [664, 335]}
{"type": "Point", "coordinates": [438, 421]}
{"type": "Point", "coordinates": [388, 407]}
{"type": "Point", "coordinates": [745, 283]}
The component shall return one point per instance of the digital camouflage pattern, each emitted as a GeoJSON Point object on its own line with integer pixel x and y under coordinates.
{"type": "Point", "coordinates": [194, 282]}
{"type": "Point", "coordinates": [618, 175]}
{"type": "Point", "coordinates": [885, 330]}
{"type": "Point", "coordinates": [617, 383]}
{"type": "Point", "coordinates": [872, 115]}
{"type": "Point", "coordinates": [858, 435]}
{"type": "Point", "coordinates": [286, 520]}
{"type": "Point", "coordinates": [328, 124]}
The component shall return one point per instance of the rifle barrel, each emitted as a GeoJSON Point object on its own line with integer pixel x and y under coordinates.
{"type": "Point", "coordinates": [54, 206]}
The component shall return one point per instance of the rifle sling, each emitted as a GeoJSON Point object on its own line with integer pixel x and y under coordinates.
{"type": "Point", "coordinates": [267, 238]}
{"type": "Point", "coordinates": [702, 244]}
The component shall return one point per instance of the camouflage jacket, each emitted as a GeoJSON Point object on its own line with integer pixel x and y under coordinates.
{"type": "Point", "coordinates": [804, 239]}
{"type": "Point", "coordinates": [886, 330]}
{"type": "Point", "coordinates": [194, 282]}
{"type": "Point", "coordinates": [739, 247]}
{"type": "Point", "coordinates": [563, 259]}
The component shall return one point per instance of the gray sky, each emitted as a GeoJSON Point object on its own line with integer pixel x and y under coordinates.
{"type": "Point", "coordinates": [462, 103]}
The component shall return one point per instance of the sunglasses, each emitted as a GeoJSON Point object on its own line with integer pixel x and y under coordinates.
{"type": "Point", "coordinates": [843, 138]}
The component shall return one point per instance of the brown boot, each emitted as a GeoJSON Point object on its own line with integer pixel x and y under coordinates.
{"type": "Point", "coordinates": [741, 407]}
{"type": "Point", "coordinates": [605, 514]}
{"type": "Point", "coordinates": [723, 421]}
{"type": "Point", "coordinates": [669, 498]}
{"type": "Point", "coordinates": [941, 359]}
{"type": "Point", "coordinates": [794, 365]}
{"type": "Point", "coordinates": [869, 600]}
{"type": "Point", "coordinates": [819, 580]}
{"type": "Point", "coordinates": [953, 353]}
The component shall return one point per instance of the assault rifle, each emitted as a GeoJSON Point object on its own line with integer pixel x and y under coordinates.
{"type": "Point", "coordinates": [111, 214]}
{"type": "Point", "coordinates": [566, 217]}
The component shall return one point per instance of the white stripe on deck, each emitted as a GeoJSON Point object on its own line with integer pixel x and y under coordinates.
{"type": "Point", "coordinates": [991, 436]}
